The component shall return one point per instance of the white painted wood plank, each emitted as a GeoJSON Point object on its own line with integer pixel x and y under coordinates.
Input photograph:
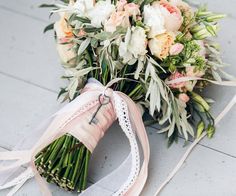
{"type": "Point", "coordinates": [22, 108]}
{"type": "Point", "coordinates": [205, 173]}
{"type": "Point", "coordinates": [27, 53]}
{"type": "Point", "coordinates": [28, 8]}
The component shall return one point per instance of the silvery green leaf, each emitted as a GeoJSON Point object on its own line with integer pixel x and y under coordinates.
{"type": "Point", "coordinates": [149, 89]}
{"type": "Point", "coordinates": [215, 64]}
{"type": "Point", "coordinates": [154, 94]}
{"type": "Point", "coordinates": [118, 65]}
{"type": "Point", "coordinates": [166, 116]}
{"type": "Point", "coordinates": [213, 50]}
{"type": "Point", "coordinates": [176, 112]}
{"type": "Point", "coordinates": [81, 64]}
{"type": "Point", "coordinates": [164, 94]}
{"type": "Point", "coordinates": [73, 87]}
{"type": "Point", "coordinates": [155, 63]}
{"type": "Point", "coordinates": [147, 72]}
{"type": "Point", "coordinates": [226, 75]}
{"type": "Point", "coordinates": [139, 69]}
{"type": "Point", "coordinates": [127, 37]}
{"type": "Point", "coordinates": [209, 100]}
{"type": "Point", "coordinates": [216, 76]}
{"type": "Point", "coordinates": [132, 61]}
{"type": "Point", "coordinates": [184, 130]}
{"type": "Point", "coordinates": [163, 130]}
{"type": "Point", "coordinates": [190, 129]}
{"type": "Point", "coordinates": [83, 46]}
{"type": "Point", "coordinates": [172, 128]}
{"type": "Point", "coordinates": [103, 35]}
{"type": "Point", "coordinates": [84, 71]}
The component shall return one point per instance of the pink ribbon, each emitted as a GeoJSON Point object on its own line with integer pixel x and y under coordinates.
{"type": "Point", "coordinates": [68, 120]}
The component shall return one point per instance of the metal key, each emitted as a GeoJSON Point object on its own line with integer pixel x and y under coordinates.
{"type": "Point", "coordinates": [105, 101]}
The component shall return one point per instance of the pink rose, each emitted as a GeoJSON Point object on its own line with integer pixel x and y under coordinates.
{"type": "Point", "coordinates": [172, 15]}
{"type": "Point", "coordinates": [132, 9]}
{"type": "Point", "coordinates": [120, 18]}
{"type": "Point", "coordinates": [177, 85]}
{"type": "Point", "coordinates": [184, 97]}
{"type": "Point", "coordinates": [176, 49]}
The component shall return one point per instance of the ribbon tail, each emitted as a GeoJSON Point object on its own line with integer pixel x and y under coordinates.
{"type": "Point", "coordinates": [18, 182]}
{"type": "Point", "coordinates": [137, 122]}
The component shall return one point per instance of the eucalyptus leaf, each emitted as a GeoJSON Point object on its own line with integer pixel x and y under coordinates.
{"type": "Point", "coordinates": [73, 87]}
{"type": "Point", "coordinates": [172, 128]}
{"type": "Point", "coordinates": [139, 69]}
{"type": "Point", "coordinates": [84, 45]}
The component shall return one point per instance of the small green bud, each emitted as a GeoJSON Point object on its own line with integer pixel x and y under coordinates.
{"type": "Point", "coordinates": [200, 101]}
{"type": "Point", "coordinates": [202, 34]}
{"type": "Point", "coordinates": [210, 131]}
{"type": "Point", "coordinates": [211, 30]}
{"type": "Point", "coordinates": [200, 128]}
{"type": "Point", "coordinates": [215, 17]}
{"type": "Point", "coordinates": [196, 28]}
{"type": "Point", "coordinates": [203, 13]}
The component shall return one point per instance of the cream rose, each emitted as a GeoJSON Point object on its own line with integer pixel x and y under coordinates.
{"type": "Point", "coordinates": [154, 19]}
{"type": "Point", "coordinates": [160, 45]}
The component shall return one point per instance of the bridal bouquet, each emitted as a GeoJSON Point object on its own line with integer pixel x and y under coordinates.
{"type": "Point", "coordinates": [123, 58]}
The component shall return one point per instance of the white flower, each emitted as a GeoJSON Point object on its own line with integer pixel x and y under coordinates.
{"type": "Point", "coordinates": [154, 19]}
{"type": "Point", "coordinates": [100, 12]}
{"type": "Point", "coordinates": [138, 42]}
{"type": "Point", "coordinates": [134, 46]}
{"type": "Point", "coordinates": [83, 6]}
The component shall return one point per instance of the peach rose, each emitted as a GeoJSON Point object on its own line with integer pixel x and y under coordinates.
{"type": "Point", "coordinates": [62, 28]}
{"type": "Point", "coordinates": [120, 18]}
{"type": "Point", "coordinates": [64, 34]}
{"type": "Point", "coordinates": [176, 49]}
{"type": "Point", "coordinates": [160, 45]}
{"type": "Point", "coordinates": [171, 14]}
{"type": "Point", "coordinates": [184, 97]}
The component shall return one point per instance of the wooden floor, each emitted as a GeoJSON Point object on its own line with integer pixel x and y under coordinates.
{"type": "Point", "coordinates": [30, 79]}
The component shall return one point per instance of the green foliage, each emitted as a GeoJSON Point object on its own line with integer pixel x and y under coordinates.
{"type": "Point", "coordinates": [48, 28]}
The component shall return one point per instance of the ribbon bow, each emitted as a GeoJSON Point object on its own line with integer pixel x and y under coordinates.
{"type": "Point", "coordinates": [69, 120]}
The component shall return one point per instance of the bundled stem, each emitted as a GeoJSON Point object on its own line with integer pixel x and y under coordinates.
{"type": "Point", "coordinates": [65, 163]}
